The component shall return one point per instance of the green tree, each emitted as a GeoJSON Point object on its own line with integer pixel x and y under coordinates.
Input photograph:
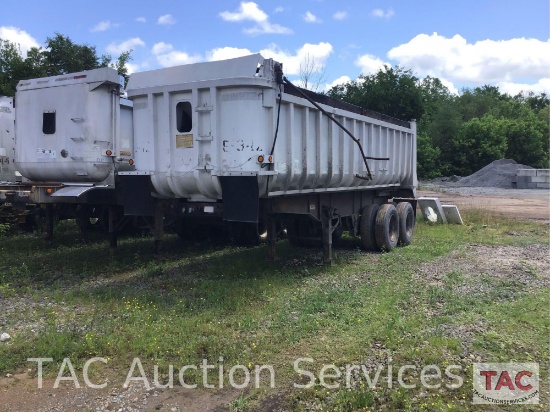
{"type": "Point", "coordinates": [527, 140]}
{"type": "Point", "coordinates": [428, 165]}
{"type": "Point", "coordinates": [478, 143]}
{"type": "Point", "coordinates": [479, 101]}
{"type": "Point", "coordinates": [63, 56]}
{"type": "Point", "coordinates": [392, 91]}
{"type": "Point", "coordinates": [11, 67]}
{"type": "Point", "coordinates": [60, 56]}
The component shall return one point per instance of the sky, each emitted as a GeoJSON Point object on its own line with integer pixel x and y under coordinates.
{"type": "Point", "coordinates": [465, 43]}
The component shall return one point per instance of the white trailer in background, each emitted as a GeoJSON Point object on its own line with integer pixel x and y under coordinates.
{"type": "Point", "coordinates": [74, 135]}
{"type": "Point", "coordinates": [229, 143]}
{"type": "Point", "coordinates": [7, 140]}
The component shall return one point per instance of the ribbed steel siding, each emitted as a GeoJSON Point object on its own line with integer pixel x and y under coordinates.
{"type": "Point", "coordinates": [314, 154]}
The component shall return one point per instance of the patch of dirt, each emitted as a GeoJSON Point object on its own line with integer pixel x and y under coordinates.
{"type": "Point", "coordinates": [527, 265]}
{"type": "Point", "coordinates": [20, 393]}
{"type": "Point", "coordinates": [514, 203]}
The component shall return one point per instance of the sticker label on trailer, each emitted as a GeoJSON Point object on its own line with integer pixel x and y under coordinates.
{"type": "Point", "coordinates": [45, 155]}
{"type": "Point", "coordinates": [184, 140]}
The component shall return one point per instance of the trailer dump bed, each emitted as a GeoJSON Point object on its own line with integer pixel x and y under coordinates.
{"type": "Point", "coordinates": [73, 128]}
{"type": "Point", "coordinates": [7, 140]}
{"type": "Point", "coordinates": [196, 126]}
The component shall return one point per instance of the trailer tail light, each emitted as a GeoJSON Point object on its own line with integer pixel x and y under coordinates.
{"type": "Point", "coordinates": [263, 160]}
{"type": "Point", "coordinates": [131, 162]}
{"type": "Point", "coordinates": [109, 153]}
{"type": "Point", "coordinates": [49, 190]}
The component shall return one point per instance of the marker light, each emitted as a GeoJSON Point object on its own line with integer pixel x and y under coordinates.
{"type": "Point", "coordinates": [260, 159]}
{"type": "Point", "coordinates": [270, 159]}
{"type": "Point", "coordinates": [131, 162]}
{"type": "Point", "coordinates": [49, 190]}
{"type": "Point", "coordinates": [108, 152]}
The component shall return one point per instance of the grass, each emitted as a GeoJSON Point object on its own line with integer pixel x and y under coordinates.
{"type": "Point", "coordinates": [229, 306]}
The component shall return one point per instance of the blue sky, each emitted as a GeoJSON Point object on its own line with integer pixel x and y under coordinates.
{"type": "Point", "coordinates": [466, 43]}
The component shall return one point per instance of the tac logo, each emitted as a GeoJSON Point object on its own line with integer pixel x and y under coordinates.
{"type": "Point", "coordinates": [506, 383]}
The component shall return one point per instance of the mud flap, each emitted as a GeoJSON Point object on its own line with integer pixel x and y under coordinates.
{"type": "Point", "coordinates": [136, 192]}
{"type": "Point", "coordinates": [241, 198]}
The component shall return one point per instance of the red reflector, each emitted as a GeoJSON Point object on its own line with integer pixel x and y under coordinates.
{"type": "Point", "coordinates": [82, 76]}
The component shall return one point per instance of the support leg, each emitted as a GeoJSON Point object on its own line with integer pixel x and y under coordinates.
{"type": "Point", "coordinates": [271, 226]}
{"type": "Point", "coordinates": [83, 221]}
{"type": "Point", "coordinates": [49, 222]}
{"type": "Point", "coordinates": [329, 221]}
{"type": "Point", "coordinates": [112, 228]}
{"type": "Point", "coordinates": [158, 230]}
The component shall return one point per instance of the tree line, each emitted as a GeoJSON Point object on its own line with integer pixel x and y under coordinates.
{"type": "Point", "coordinates": [457, 134]}
{"type": "Point", "coordinates": [61, 55]}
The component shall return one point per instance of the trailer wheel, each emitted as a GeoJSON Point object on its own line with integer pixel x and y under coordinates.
{"type": "Point", "coordinates": [387, 227]}
{"type": "Point", "coordinates": [405, 213]}
{"type": "Point", "coordinates": [367, 227]}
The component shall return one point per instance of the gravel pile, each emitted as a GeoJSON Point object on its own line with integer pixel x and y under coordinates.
{"type": "Point", "coordinates": [500, 174]}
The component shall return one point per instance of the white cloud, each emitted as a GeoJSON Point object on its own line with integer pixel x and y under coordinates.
{"type": "Point", "coordinates": [543, 85]}
{"type": "Point", "coordinates": [370, 64]}
{"type": "Point", "coordinates": [449, 85]}
{"type": "Point", "coordinates": [104, 26]}
{"type": "Point", "coordinates": [340, 15]}
{"type": "Point", "coordinates": [309, 17]}
{"type": "Point", "coordinates": [487, 61]}
{"type": "Point", "coordinates": [19, 37]}
{"type": "Point", "coordinates": [382, 14]}
{"type": "Point", "coordinates": [279, 9]}
{"type": "Point", "coordinates": [166, 55]}
{"type": "Point", "coordinates": [137, 67]}
{"type": "Point", "coordinates": [222, 53]}
{"type": "Point", "coordinates": [291, 62]}
{"type": "Point", "coordinates": [339, 80]}
{"type": "Point", "coordinates": [166, 20]}
{"type": "Point", "coordinates": [114, 48]}
{"type": "Point", "coordinates": [141, 19]}
{"type": "Point", "coordinates": [246, 11]}
{"type": "Point", "coordinates": [249, 11]}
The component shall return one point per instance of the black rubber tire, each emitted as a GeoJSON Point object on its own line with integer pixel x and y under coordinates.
{"type": "Point", "coordinates": [387, 227]}
{"type": "Point", "coordinates": [366, 227]}
{"type": "Point", "coordinates": [405, 212]}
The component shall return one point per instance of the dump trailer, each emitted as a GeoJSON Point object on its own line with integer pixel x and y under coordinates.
{"type": "Point", "coordinates": [74, 134]}
{"type": "Point", "coordinates": [228, 144]}
{"type": "Point", "coordinates": [234, 141]}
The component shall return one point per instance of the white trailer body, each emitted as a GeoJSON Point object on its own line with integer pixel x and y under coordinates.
{"type": "Point", "coordinates": [197, 123]}
{"type": "Point", "coordinates": [73, 128]}
{"type": "Point", "coordinates": [7, 140]}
